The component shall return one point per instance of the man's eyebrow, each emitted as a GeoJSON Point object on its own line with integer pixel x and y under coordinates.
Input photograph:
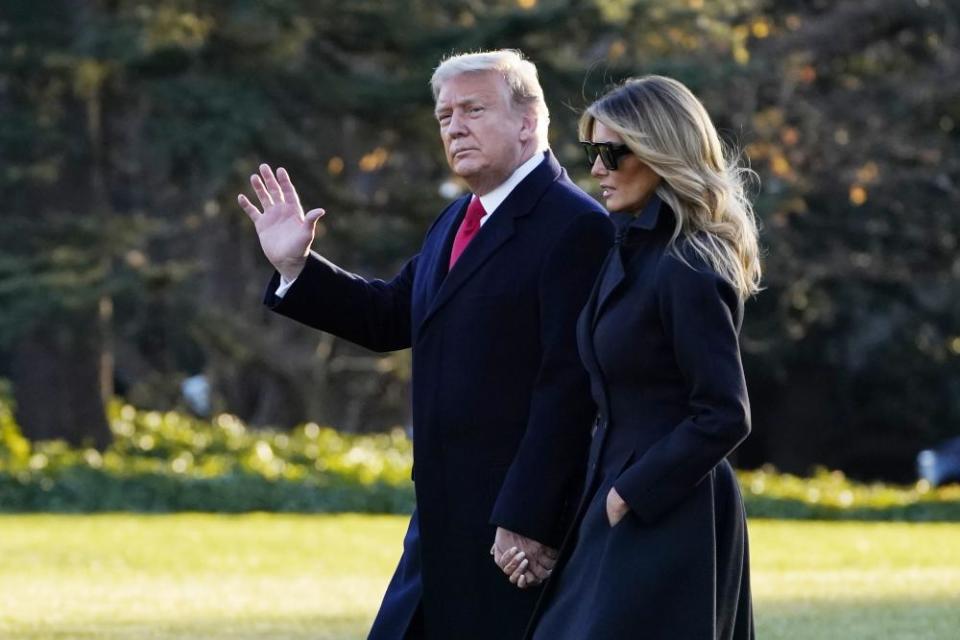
{"type": "Point", "coordinates": [466, 101]}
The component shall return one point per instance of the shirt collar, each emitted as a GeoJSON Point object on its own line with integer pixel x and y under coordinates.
{"type": "Point", "coordinates": [495, 198]}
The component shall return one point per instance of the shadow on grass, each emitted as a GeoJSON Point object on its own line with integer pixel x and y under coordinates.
{"type": "Point", "coordinates": [787, 620]}
{"type": "Point", "coordinates": [286, 628]}
{"type": "Point", "coordinates": [791, 509]}
{"type": "Point", "coordinates": [887, 619]}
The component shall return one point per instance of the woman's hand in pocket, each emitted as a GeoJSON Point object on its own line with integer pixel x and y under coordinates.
{"type": "Point", "coordinates": [616, 507]}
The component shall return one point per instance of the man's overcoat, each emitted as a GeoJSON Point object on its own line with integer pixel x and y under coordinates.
{"type": "Point", "coordinates": [500, 400]}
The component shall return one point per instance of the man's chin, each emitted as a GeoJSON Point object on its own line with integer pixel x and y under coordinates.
{"type": "Point", "coordinates": [466, 168]}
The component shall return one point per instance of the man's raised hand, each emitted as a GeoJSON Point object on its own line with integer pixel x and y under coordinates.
{"type": "Point", "coordinates": [285, 232]}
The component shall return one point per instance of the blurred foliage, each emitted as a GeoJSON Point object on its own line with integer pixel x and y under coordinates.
{"type": "Point", "coordinates": [127, 134]}
{"type": "Point", "coordinates": [171, 462]}
{"type": "Point", "coordinates": [830, 495]}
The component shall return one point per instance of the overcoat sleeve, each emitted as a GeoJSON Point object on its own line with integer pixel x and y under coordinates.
{"type": "Point", "coordinates": [701, 314]}
{"type": "Point", "coordinates": [371, 313]}
{"type": "Point", "coordinates": [547, 470]}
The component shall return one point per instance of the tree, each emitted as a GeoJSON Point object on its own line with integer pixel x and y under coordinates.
{"type": "Point", "coordinates": [127, 136]}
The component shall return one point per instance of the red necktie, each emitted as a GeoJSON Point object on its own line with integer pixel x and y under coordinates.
{"type": "Point", "coordinates": [468, 228]}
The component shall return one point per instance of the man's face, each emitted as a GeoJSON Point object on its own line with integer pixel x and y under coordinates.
{"type": "Point", "coordinates": [484, 135]}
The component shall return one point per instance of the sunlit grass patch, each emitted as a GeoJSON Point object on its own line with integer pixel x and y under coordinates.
{"type": "Point", "coordinates": [193, 576]}
{"type": "Point", "coordinates": [824, 580]}
{"type": "Point", "coordinates": [321, 577]}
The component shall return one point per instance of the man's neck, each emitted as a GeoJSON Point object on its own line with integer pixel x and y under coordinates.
{"type": "Point", "coordinates": [482, 185]}
{"type": "Point", "coordinates": [493, 199]}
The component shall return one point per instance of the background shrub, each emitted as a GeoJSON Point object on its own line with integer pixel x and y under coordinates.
{"type": "Point", "coordinates": [161, 462]}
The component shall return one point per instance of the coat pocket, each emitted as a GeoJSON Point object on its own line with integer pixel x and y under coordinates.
{"type": "Point", "coordinates": [620, 469]}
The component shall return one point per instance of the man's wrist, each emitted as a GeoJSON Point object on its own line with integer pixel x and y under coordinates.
{"type": "Point", "coordinates": [290, 271]}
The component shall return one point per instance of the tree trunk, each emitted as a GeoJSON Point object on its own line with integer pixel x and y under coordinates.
{"type": "Point", "coordinates": [57, 375]}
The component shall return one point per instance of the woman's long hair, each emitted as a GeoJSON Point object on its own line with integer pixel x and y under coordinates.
{"type": "Point", "coordinates": [669, 130]}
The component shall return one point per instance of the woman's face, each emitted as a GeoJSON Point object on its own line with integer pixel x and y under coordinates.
{"type": "Point", "coordinates": [627, 188]}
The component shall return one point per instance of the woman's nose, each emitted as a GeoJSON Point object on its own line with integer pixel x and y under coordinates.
{"type": "Point", "coordinates": [598, 169]}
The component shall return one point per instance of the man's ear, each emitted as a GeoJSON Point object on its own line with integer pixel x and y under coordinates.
{"type": "Point", "coordinates": [528, 125]}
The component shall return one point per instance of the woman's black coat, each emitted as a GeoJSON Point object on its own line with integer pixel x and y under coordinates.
{"type": "Point", "coordinates": [659, 338]}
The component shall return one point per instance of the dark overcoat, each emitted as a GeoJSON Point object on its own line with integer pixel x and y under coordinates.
{"type": "Point", "coordinates": [500, 400]}
{"type": "Point", "coordinates": [659, 338]}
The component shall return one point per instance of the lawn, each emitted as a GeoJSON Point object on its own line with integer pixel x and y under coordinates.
{"type": "Point", "coordinates": [321, 577]}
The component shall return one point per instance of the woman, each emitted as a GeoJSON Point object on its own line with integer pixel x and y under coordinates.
{"type": "Point", "coordinates": [660, 548]}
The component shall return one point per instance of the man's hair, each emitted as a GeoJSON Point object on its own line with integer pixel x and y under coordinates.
{"type": "Point", "coordinates": [519, 73]}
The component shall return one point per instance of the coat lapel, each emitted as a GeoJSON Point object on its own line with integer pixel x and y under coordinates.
{"type": "Point", "coordinates": [434, 256]}
{"type": "Point", "coordinates": [613, 276]}
{"type": "Point", "coordinates": [614, 273]}
{"type": "Point", "coordinates": [441, 257]}
{"type": "Point", "coordinates": [496, 232]}
{"type": "Point", "coordinates": [586, 321]}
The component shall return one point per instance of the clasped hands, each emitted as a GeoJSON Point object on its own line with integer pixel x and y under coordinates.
{"type": "Point", "coordinates": [527, 562]}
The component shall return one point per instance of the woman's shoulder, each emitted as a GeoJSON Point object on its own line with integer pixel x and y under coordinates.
{"type": "Point", "coordinates": [684, 254]}
{"type": "Point", "coordinates": [684, 268]}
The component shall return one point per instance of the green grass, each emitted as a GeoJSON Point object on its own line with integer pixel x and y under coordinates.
{"type": "Point", "coordinates": [845, 580]}
{"type": "Point", "coordinates": [193, 576]}
{"type": "Point", "coordinates": [322, 576]}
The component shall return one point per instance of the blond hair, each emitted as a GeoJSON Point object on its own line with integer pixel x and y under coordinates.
{"type": "Point", "coordinates": [669, 130]}
{"type": "Point", "coordinates": [519, 74]}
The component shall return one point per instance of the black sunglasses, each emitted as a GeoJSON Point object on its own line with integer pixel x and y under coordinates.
{"type": "Point", "coordinates": [609, 153]}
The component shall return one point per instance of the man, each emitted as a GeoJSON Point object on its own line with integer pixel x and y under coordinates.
{"type": "Point", "coordinates": [501, 406]}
